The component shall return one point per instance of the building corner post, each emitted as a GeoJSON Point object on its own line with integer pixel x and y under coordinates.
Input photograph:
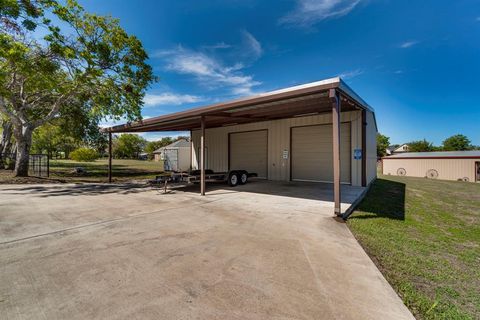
{"type": "Point", "coordinates": [335, 100]}
{"type": "Point", "coordinates": [364, 148]}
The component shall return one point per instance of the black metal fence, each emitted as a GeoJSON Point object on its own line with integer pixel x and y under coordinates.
{"type": "Point", "coordinates": [39, 165]}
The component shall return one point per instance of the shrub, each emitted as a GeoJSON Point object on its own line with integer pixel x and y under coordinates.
{"type": "Point", "coordinates": [83, 154]}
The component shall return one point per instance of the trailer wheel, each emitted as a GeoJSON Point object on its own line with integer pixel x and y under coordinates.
{"type": "Point", "coordinates": [243, 177]}
{"type": "Point", "coordinates": [233, 179]}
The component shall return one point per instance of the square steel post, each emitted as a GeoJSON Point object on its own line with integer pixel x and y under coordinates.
{"type": "Point", "coordinates": [202, 156]}
{"type": "Point", "coordinates": [109, 157]}
{"type": "Point", "coordinates": [335, 99]}
{"type": "Point", "coordinates": [191, 151]}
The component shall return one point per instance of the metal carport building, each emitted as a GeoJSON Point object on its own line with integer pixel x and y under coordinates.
{"type": "Point", "coordinates": [321, 131]}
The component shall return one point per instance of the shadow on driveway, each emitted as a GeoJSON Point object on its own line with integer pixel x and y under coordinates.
{"type": "Point", "coordinates": [293, 189]}
{"type": "Point", "coordinates": [78, 189]}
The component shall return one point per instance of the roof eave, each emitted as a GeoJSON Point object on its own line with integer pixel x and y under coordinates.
{"type": "Point", "coordinates": [277, 95]}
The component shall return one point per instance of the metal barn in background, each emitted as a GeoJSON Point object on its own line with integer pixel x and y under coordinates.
{"type": "Point", "coordinates": [446, 165]}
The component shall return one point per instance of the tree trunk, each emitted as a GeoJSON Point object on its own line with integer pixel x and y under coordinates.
{"type": "Point", "coordinates": [23, 136]}
{"type": "Point", "coordinates": [5, 143]}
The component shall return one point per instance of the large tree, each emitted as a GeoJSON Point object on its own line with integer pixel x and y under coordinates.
{"type": "Point", "coordinates": [420, 146]}
{"type": "Point", "coordinates": [457, 142]}
{"type": "Point", "coordinates": [83, 60]}
{"type": "Point", "coordinates": [383, 143]}
{"type": "Point", "coordinates": [128, 146]}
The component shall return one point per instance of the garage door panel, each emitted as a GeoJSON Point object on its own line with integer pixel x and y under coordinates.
{"type": "Point", "coordinates": [248, 151]}
{"type": "Point", "coordinates": [312, 153]}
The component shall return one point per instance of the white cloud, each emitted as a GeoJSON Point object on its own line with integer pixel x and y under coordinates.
{"type": "Point", "coordinates": [169, 99]}
{"type": "Point", "coordinates": [351, 74]}
{"type": "Point", "coordinates": [253, 46]}
{"type": "Point", "coordinates": [309, 12]}
{"type": "Point", "coordinates": [398, 71]}
{"type": "Point", "coordinates": [208, 70]}
{"type": "Point", "coordinates": [408, 44]}
{"type": "Point", "coordinates": [219, 45]}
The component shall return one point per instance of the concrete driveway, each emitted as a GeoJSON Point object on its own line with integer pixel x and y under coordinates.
{"type": "Point", "coordinates": [117, 252]}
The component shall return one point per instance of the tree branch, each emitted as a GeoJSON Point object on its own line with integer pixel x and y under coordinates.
{"type": "Point", "coordinates": [13, 117]}
{"type": "Point", "coordinates": [56, 107]}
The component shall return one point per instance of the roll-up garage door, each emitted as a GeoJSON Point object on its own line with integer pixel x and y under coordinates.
{"type": "Point", "coordinates": [312, 158]}
{"type": "Point", "coordinates": [248, 151]}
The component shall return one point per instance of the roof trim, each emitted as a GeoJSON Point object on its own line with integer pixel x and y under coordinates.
{"type": "Point", "coordinates": [267, 97]}
{"type": "Point", "coordinates": [431, 157]}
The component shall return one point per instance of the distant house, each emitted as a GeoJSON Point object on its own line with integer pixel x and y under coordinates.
{"type": "Point", "coordinates": [446, 165]}
{"type": "Point", "coordinates": [397, 149]}
{"type": "Point", "coordinates": [176, 156]}
{"type": "Point", "coordinates": [143, 156]}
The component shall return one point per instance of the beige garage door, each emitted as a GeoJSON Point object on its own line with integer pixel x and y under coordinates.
{"type": "Point", "coordinates": [312, 153]}
{"type": "Point", "coordinates": [248, 151]}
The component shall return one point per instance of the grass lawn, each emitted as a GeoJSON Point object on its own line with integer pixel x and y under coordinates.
{"type": "Point", "coordinates": [424, 235]}
{"type": "Point", "coordinates": [96, 171]}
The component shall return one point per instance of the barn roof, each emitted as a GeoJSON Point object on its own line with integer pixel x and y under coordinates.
{"type": "Point", "coordinates": [181, 143]}
{"type": "Point", "coordinates": [436, 154]}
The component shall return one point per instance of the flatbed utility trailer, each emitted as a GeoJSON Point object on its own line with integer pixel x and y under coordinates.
{"type": "Point", "coordinates": [233, 177]}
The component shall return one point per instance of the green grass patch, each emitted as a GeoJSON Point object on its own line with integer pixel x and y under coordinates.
{"type": "Point", "coordinates": [96, 171]}
{"type": "Point", "coordinates": [424, 235]}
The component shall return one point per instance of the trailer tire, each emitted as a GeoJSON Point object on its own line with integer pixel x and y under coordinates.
{"type": "Point", "coordinates": [233, 179]}
{"type": "Point", "coordinates": [243, 175]}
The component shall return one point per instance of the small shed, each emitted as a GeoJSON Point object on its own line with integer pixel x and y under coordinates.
{"type": "Point", "coordinates": [176, 156]}
{"type": "Point", "coordinates": [446, 165]}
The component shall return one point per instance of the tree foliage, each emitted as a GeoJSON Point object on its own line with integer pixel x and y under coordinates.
{"type": "Point", "coordinates": [47, 139]}
{"type": "Point", "coordinates": [382, 144]}
{"type": "Point", "coordinates": [128, 146]}
{"type": "Point", "coordinates": [420, 146]}
{"type": "Point", "coordinates": [84, 154]}
{"type": "Point", "coordinates": [84, 61]}
{"type": "Point", "coordinates": [458, 142]}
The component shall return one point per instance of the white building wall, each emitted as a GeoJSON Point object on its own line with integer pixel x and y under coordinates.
{"type": "Point", "coordinates": [184, 158]}
{"type": "Point", "coordinates": [371, 130]}
{"type": "Point", "coordinates": [216, 142]}
{"type": "Point", "coordinates": [448, 169]}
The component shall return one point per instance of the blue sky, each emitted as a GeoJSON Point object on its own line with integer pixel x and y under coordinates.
{"type": "Point", "coordinates": [416, 62]}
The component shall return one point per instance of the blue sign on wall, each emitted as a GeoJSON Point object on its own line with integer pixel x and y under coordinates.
{"type": "Point", "coordinates": [357, 154]}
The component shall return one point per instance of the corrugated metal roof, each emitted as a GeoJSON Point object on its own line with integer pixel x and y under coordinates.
{"type": "Point", "coordinates": [182, 143]}
{"type": "Point", "coordinates": [279, 104]}
{"type": "Point", "coordinates": [437, 154]}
